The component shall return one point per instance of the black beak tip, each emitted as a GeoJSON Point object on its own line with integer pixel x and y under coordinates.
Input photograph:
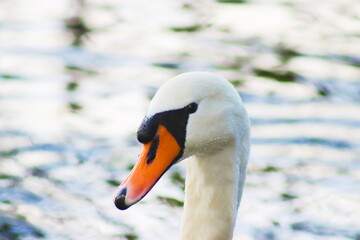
{"type": "Point", "coordinates": [120, 200]}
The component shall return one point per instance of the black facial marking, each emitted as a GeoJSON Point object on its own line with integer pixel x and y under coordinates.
{"type": "Point", "coordinates": [152, 151]}
{"type": "Point", "coordinates": [174, 121]}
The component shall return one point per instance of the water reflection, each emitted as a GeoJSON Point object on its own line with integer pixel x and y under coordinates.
{"type": "Point", "coordinates": [79, 33]}
{"type": "Point", "coordinates": [76, 24]}
{"type": "Point", "coordinates": [71, 99]}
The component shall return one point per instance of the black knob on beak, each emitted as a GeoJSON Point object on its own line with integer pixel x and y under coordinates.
{"type": "Point", "coordinates": [120, 200]}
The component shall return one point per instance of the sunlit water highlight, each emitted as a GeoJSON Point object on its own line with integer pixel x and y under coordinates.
{"type": "Point", "coordinates": [76, 78]}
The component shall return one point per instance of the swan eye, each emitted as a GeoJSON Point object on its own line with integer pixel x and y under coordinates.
{"type": "Point", "coordinates": [192, 107]}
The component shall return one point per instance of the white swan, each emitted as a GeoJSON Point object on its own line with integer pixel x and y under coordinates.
{"type": "Point", "coordinates": [200, 116]}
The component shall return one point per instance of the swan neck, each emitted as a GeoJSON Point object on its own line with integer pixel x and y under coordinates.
{"type": "Point", "coordinates": [212, 195]}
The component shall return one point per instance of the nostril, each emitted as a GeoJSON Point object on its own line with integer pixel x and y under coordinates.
{"type": "Point", "coordinates": [152, 151]}
{"type": "Point", "coordinates": [120, 200]}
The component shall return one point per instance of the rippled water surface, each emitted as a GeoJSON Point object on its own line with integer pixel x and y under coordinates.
{"type": "Point", "coordinates": [76, 78]}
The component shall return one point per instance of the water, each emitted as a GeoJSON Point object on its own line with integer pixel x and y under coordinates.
{"type": "Point", "coordinates": [76, 78]}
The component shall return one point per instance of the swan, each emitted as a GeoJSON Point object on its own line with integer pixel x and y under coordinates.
{"type": "Point", "coordinates": [199, 116]}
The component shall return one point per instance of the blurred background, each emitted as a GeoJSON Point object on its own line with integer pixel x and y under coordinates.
{"type": "Point", "coordinates": [76, 78]}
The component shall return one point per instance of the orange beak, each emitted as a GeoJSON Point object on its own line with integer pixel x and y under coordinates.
{"type": "Point", "coordinates": [155, 158]}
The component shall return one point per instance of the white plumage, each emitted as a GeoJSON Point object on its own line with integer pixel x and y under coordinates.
{"type": "Point", "coordinates": [217, 144]}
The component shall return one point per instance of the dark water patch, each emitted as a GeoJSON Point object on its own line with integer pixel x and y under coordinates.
{"type": "Point", "coordinates": [325, 230]}
{"type": "Point", "coordinates": [75, 106]}
{"type": "Point", "coordinates": [286, 53]}
{"type": "Point", "coordinates": [336, 89]}
{"type": "Point", "coordinates": [30, 77]}
{"type": "Point", "coordinates": [224, 29]}
{"type": "Point", "coordinates": [38, 172]}
{"type": "Point", "coordinates": [237, 82]}
{"type": "Point", "coordinates": [228, 67]}
{"type": "Point", "coordinates": [76, 24]}
{"type": "Point", "coordinates": [277, 74]}
{"type": "Point", "coordinates": [168, 65]}
{"type": "Point", "coordinates": [5, 176]}
{"type": "Point", "coordinates": [9, 180]}
{"type": "Point", "coordinates": [330, 143]}
{"type": "Point", "coordinates": [235, 64]}
{"type": "Point", "coordinates": [43, 170]}
{"type": "Point", "coordinates": [187, 6]}
{"type": "Point", "coordinates": [270, 169]}
{"type": "Point", "coordinates": [178, 179]}
{"type": "Point", "coordinates": [10, 77]}
{"type": "Point", "coordinates": [322, 90]}
{"type": "Point", "coordinates": [72, 86]}
{"type": "Point", "coordinates": [74, 68]}
{"type": "Point", "coordinates": [7, 154]}
{"type": "Point", "coordinates": [264, 169]}
{"type": "Point", "coordinates": [79, 29]}
{"type": "Point", "coordinates": [107, 7]}
{"type": "Point", "coordinates": [264, 234]}
{"type": "Point", "coordinates": [349, 60]}
{"type": "Point", "coordinates": [130, 166]}
{"type": "Point", "coordinates": [16, 193]}
{"type": "Point", "coordinates": [232, 1]}
{"type": "Point", "coordinates": [172, 202]}
{"type": "Point", "coordinates": [288, 196]}
{"type": "Point", "coordinates": [190, 28]}
{"type": "Point", "coordinates": [271, 121]}
{"type": "Point", "coordinates": [113, 182]}
{"type": "Point", "coordinates": [253, 44]}
{"type": "Point", "coordinates": [16, 227]}
{"type": "Point", "coordinates": [13, 133]}
{"type": "Point", "coordinates": [275, 223]}
{"type": "Point", "coordinates": [338, 164]}
{"type": "Point", "coordinates": [46, 147]}
{"type": "Point", "coordinates": [127, 236]}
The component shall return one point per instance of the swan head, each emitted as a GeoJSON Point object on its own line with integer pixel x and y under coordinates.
{"type": "Point", "coordinates": [196, 113]}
